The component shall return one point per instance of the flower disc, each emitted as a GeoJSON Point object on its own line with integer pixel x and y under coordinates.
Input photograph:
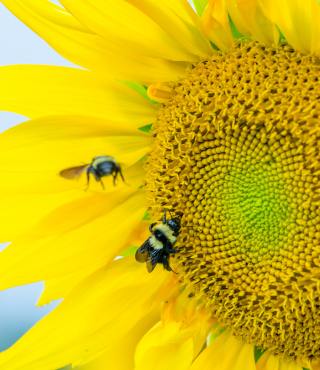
{"type": "Point", "coordinates": [237, 152]}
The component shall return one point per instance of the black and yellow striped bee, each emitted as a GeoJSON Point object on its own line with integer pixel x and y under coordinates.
{"type": "Point", "coordinates": [99, 167]}
{"type": "Point", "coordinates": [158, 247]}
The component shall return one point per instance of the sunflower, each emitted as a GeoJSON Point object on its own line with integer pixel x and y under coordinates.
{"type": "Point", "coordinates": [212, 111]}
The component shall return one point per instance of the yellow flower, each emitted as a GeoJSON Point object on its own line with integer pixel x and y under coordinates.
{"type": "Point", "coordinates": [233, 95]}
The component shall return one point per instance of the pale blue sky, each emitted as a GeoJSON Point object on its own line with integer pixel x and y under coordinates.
{"type": "Point", "coordinates": [19, 45]}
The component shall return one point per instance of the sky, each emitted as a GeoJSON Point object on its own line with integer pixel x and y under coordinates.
{"type": "Point", "coordinates": [18, 45]}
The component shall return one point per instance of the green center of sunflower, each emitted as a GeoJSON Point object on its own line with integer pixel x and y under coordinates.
{"type": "Point", "coordinates": [237, 152]}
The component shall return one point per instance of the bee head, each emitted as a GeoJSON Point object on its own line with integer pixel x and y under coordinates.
{"type": "Point", "coordinates": [174, 224]}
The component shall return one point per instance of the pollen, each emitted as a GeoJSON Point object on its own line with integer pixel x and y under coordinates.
{"type": "Point", "coordinates": [237, 152]}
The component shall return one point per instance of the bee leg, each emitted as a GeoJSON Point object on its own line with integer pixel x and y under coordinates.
{"type": "Point", "coordinates": [98, 178]}
{"type": "Point", "coordinates": [171, 250]}
{"type": "Point", "coordinates": [102, 184]}
{"type": "Point", "coordinates": [121, 174]}
{"type": "Point", "coordinates": [114, 176]}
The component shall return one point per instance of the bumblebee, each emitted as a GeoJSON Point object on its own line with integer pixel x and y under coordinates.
{"type": "Point", "coordinates": [158, 247]}
{"type": "Point", "coordinates": [99, 167]}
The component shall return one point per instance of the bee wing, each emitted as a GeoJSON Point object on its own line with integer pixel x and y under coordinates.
{"type": "Point", "coordinates": [73, 172]}
{"type": "Point", "coordinates": [150, 265]}
{"type": "Point", "coordinates": [142, 253]}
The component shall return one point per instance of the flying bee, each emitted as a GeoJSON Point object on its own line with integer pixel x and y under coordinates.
{"type": "Point", "coordinates": [158, 247]}
{"type": "Point", "coordinates": [99, 167]}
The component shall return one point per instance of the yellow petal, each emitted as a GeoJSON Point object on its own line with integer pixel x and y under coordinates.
{"type": "Point", "coordinates": [113, 358]}
{"type": "Point", "coordinates": [43, 90]}
{"type": "Point", "coordinates": [121, 23]}
{"type": "Point", "coordinates": [289, 365]}
{"type": "Point", "coordinates": [174, 342]}
{"type": "Point", "coordinates": [51, 144]}
{"type": "Point", "coordinates": [269, 362]}
{"type": "Point", "coordinates": [97, 315]}
{"type": "Point", "coordinates": [20, 212]}
{"type": "Point", "coordinates": [61, 30]}
{"type": "Point", "coordinates": [216, 24]}
{"type": "Point", "coordinates": [250, 20]}
{"type": "Point", "coordinates": [165, 346]}
{"type": "Point", "coordinates": [225, 353]}
{"type": "Point", "coordinates": [33, 154]}
{"type": "Point", "coordinates": [180, 21]}
{"type": "Point", "coordinates": [66, 127]}
{"type": "Point", "coordinates": [196, 322]}
{"type": "Point", "coordinates": [61, 286]}
{"type": "Point", "coordinates": [77, 43]}
{"type": "Point", "coordinates": [298, 20]}
{"type": "Point", "coordinates": [129, 65]}
{"type": "Point", "coordinates": [73, 241]}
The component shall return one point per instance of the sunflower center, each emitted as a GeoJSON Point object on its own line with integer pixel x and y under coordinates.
{"type": "Point", "coordinates": [237, 152]}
